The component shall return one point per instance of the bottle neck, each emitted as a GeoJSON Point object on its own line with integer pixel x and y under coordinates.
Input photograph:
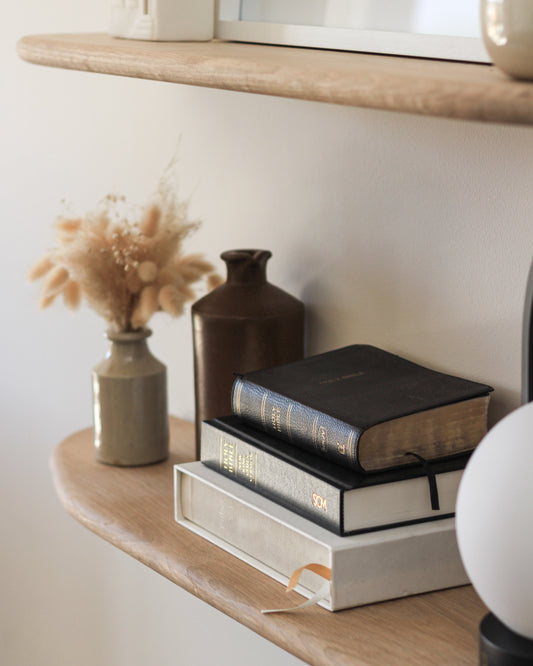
{"type": "Point", "coordinates": [128, 345]}
{"type": "Point", "coordinates": [246, 266]}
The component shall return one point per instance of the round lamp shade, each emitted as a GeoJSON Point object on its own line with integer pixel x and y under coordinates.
{"type": "Point", "coordinates": [494, 520]}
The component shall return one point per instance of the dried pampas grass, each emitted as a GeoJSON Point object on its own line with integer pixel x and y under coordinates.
{"type": "Point", "coordinates": [126, 270]}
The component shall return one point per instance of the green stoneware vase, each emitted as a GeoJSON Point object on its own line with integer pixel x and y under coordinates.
{"type": "Point", "coordinates": [130, 403]}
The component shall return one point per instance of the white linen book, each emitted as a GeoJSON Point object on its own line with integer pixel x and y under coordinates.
{"type": "Point", "coordinates": [365, 568]}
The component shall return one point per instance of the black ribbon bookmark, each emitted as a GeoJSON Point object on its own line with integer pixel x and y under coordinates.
{"type": "Point", "coordinates": [433, 490]}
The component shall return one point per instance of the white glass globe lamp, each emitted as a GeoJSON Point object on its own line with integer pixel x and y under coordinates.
{"type": "Point", "coordinates": [494, 522]}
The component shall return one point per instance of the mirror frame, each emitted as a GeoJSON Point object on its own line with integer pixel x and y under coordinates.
{"type": "Point", "coordinates": [444, 47]}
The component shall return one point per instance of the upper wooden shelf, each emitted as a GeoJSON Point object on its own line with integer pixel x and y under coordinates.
{"type": "Point", "coordinates": [133, 509]}
{"type": "Point", "coordinates": [414, 85]}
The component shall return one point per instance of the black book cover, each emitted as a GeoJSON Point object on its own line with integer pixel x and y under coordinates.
{"type": "Point", "coordinates": [326, 402]}
{"type": "Point", "coordinates": [304, 482]}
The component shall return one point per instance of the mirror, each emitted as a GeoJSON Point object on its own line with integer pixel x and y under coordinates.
{"type": "Point", "coordinates": [402, 27]}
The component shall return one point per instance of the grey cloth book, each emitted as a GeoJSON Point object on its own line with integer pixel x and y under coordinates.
{"type": "Point", "coordinates": [365, 568]}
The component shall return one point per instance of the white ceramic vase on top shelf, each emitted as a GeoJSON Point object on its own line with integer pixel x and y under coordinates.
{"type": "Point", "coordinates": [507, 29]}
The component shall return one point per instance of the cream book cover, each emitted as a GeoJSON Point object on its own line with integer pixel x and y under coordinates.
{"type": "Point", "coordinates": [365, 568]}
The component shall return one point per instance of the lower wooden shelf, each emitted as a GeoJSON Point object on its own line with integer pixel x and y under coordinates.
{"type": "Point", "coordinates": [132, 508]}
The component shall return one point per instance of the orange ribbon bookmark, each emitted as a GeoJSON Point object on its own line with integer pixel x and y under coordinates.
{"type": "Point", "coordinates": [322, 593]}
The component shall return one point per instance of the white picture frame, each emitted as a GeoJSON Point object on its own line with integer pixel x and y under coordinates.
{"type": "Point", "coordinates": [455, 43]}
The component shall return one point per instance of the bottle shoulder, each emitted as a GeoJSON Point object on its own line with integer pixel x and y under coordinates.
{"type": "Point", "coordinates": [264, 300]}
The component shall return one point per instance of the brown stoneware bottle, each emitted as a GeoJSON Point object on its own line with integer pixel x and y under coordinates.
{"type": "Point", "coordinates": [243, 325]}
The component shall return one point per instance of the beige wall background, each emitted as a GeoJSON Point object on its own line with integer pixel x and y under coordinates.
{"type": "Point", "coordinates": [410, 233]}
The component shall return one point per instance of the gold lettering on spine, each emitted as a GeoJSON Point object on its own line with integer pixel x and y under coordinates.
{"type": "Point", "coordinates": [228, 456]}
{"type": "Point", "coordinates": [289, 412]}
{"type": "Point", "coordinates": [346, 449]}
{"type": "Point", "coordinates": [275, 418]}
{"type": "Point", "coordinates": [319, 502]}
{"type": "Point", "coordinates": [263, 409]}
{"type": "Point", "coordinates": [315, 423]}
{"type": "Point", "coordinates": [247, 466]}
{"type": "Point", "coordinates": [323, 438]}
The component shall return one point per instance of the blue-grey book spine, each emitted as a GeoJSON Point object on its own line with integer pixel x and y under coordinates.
{"type": "Point", "coordinates": [289, 485]}
{"type": "Point", "coordinates": [302, 426]}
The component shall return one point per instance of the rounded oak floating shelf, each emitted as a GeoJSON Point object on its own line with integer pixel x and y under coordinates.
{"type": "Point", "coordinates": [133, 509]}
{"type": "Point", "coordinates": [413, 85]}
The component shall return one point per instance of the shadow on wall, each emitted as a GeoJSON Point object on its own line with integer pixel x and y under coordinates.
{"type": "Point", "coordinates": [370, 305]}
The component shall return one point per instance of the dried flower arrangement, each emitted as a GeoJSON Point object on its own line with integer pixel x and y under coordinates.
{"type": "Point", "coordinates": [126, 270]}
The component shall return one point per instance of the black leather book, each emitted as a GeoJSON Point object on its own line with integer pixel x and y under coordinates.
{"type": "Point", "coordinates": [339, 499]}
{"type": "Point", "coordinates": [364, 408]}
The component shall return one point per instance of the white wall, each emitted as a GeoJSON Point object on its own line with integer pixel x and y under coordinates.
{"type": "Point", "coordinates": [411, 233]}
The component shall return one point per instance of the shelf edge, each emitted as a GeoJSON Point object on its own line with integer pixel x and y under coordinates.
{"type": "Point", "coordinates": [443, 89]}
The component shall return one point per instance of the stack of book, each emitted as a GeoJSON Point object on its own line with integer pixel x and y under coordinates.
{"type": "Point", "coordinates": [350, 459]}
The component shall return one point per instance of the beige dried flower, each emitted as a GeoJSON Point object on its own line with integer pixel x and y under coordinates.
{"type": "Point", "coordinates": [146, 307]}
{"type": "Point", "coordinates": [147, 271]}
{"type": "Point", "coordinates": [134, 283]}
{"type": "Point", "coordinates": [193, 267]}
{"type": "Point", "coordinates": [171, 300]}
{"type": "Point", "coordinates": [169, 275]}
{"type": "Point", "coordinates": [150, 223]}
{"type": "Point", "coordinates": [72, 294]}
{"type": "Point", "coordinates": [40, 268]}
{"type": "Point", "coordinates": [57, 277]}
{"type": "Point", "coordinates": [126, 263]}
{"type": "Point", "coordinates": [68, 225]}
{"type": "Point", "coordinates": [213, 281]}
{"type": "Point", "coordinates": [46, 300]}
{"type": "Point", "coordinates": [186, 291]}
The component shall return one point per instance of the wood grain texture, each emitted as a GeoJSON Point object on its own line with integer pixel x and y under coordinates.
{"type": "Point", "coordinates": [132, 508]}
{"type": "Point", "coordinates": [414, 85]}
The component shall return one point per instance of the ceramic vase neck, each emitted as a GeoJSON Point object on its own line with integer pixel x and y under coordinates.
{"type": "Point", "coordinates": [246, 266]}
{"type": "Point", "coordinates": [128, 337]}
{"type": "Point", "coordinates": [128, 345]}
